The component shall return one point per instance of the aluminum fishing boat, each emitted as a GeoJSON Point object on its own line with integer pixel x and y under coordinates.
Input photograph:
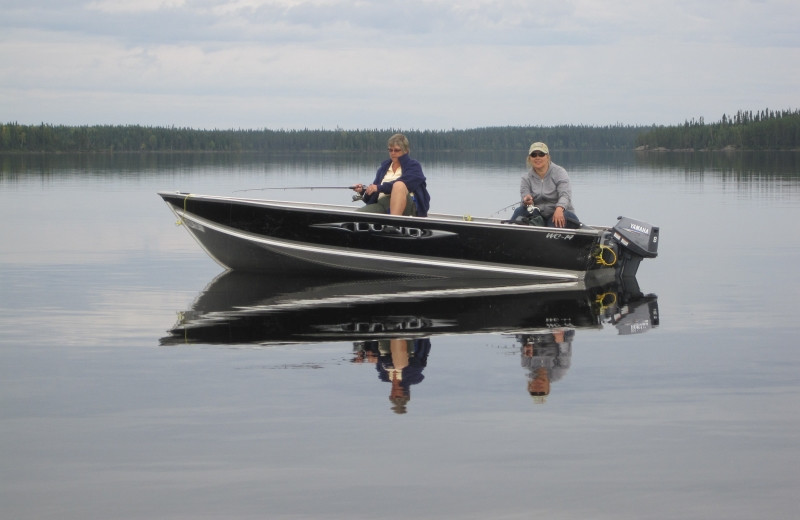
{"type": "Point", "coordinates": [309, 239]}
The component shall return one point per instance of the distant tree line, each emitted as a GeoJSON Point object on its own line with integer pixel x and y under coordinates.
{"type": "Point", "coordinates": [773, 130]}
{"type": "Point", "coordinates": [746, 130]}
{"type": "Point", "coordinates": [15, 137]}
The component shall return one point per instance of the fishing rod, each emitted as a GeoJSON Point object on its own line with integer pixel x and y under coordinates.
{"type": "Point", "coordinates": [510, 206]}
{"type": "Point", "coordinates": [300, 188]}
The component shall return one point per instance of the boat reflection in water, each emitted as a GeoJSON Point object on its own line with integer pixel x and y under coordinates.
{"type": "Point", "coordinates": [391, 322]}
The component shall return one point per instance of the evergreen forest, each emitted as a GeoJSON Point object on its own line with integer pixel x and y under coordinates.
{"type": "Point", "coordinates": [746, 130]}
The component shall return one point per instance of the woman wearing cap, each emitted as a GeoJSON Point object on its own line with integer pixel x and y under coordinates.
{"type": "Point", "coordinates": [546, 187]}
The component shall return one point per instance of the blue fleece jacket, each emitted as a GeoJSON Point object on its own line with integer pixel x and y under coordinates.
{"type": "Point", "coordinates": [412, 176]}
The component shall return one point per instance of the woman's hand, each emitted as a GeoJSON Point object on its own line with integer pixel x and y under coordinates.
{"type": "Point", "coordinates": [365, 190]}
{"type": "Point", "coordinates": [558, 217]}
{"type": "Point", "coordinates": [527, 200]}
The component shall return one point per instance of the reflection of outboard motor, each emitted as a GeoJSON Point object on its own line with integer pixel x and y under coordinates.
{"type": "Point", "coordinates": [637, 317]}
{"type": "Point", "coordinates": [633, 240]}
{"type": "Point", "coordinates": [628, 309]}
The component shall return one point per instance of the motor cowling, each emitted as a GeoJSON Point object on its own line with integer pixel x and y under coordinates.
{"type": "Point", "coordinates": [639, 237]}
{"type": "Point", "coordinates": [634, 241]}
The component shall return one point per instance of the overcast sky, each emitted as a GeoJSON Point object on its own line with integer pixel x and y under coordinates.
{"type": "Point", "coordinates": [415, 64]}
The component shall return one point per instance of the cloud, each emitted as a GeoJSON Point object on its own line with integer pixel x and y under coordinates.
{"type": "Point", "coordinates": [422, 64]}
{"type": "Point", "coordinates": [133, 6]}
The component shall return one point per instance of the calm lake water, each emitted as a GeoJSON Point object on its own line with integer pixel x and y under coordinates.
{"type": "Point", "coordinates": [695, 417]}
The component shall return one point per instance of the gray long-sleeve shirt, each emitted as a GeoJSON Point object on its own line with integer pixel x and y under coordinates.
{"type": "Point", "coordinates": [552, 190]}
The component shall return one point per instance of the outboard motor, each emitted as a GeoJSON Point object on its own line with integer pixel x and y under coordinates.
{"type": "Point", "coordinates": [634, 241]}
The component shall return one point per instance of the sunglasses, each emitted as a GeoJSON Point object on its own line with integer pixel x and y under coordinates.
{"type": "Point", "coordinates": [395, 150]}
{"type": "Point", "coordinates": [538, 154]}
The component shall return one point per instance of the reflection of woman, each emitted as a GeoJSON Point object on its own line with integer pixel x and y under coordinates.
{"type": "Point", "coordinates": [399, 362]}
{"type": "Point", "coordinates": [547, 357]}
{"type": "Point", "coordinates": [546, 186]}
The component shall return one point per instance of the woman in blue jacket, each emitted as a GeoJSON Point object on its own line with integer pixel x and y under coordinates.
{"type": "Point", "coordinates": [400, 187]}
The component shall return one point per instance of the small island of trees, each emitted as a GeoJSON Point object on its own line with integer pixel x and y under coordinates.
{"type": "Point", "coordinates": [746, 130]}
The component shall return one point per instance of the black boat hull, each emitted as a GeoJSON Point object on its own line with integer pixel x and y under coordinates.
{"type": "Point", "coordinates": [289, 238]}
